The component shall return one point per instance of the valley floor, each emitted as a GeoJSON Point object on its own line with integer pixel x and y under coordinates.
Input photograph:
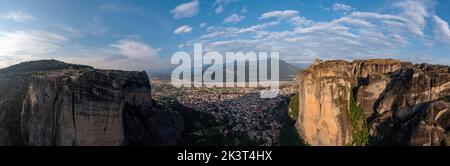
{"type": "Point", "coordinates": [243, 118]}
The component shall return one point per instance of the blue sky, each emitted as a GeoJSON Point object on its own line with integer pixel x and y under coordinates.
{"type": "Point", "coordinates": [138, 35]}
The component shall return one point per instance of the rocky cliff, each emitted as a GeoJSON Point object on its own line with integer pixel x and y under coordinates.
{"type": "Point", "coordinates": [95, 107]}
{"type": "Point", "coordinates": [401, 103]}
{"type": "Point", "coordinates": [13, 89]}
{"type": "Point", "coordinates": [323, 103]}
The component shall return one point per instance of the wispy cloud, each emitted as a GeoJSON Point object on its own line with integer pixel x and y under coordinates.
{"type": "Point", "coordinates": [29, 42]}
{"type": "Point", "coordinates": [202, 25]}
{"type": "Point", "coordinates": [340, 7]}
{"type": "Point", "coordinates": [123, 9]}
{"type": "Point", "coordinates": [19, 46]}
{"type": "Point", "coordinates": [96, 28]}
{"type": "Point", "coordinates": [220, 5]}
{"type": "Point", "coordinates": [415, 12]}
{"type": "Point", "coordinates": [286, 15]}
{"type": "Point", "coordinates": [354, 35]}
{"type": "Point", "coordinates": [183, 30]}
{"type": "Point", "coordinates": [18, 16]}
{"type": "Point", "coordinates": [124, 54]}
{"type": "Point", "coordinates": [135, 50]}
{"type": "Point", "coordinates": [279, 14]}
{"type": "Point", "coordinates": [441, 29]}
{"type": "Point", "coordinates": [234, 18]}
{"type": "Point", "coordinates": [185, 10]}
{"type": "Point", "coordinates": [71, 31]}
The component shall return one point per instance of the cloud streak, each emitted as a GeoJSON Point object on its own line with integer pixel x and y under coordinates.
{"type": "Point", "coordinates": [186, 10]}
{"type": "Point", "coordinates": [18, 16]}
{"type": "Point", "coordinates": [124, 54]}
{"type": "Point", "coordinates": [220, 5]}
{"type": "Point", "coordinates": [30, 42]}
{"type": "Point", "coordinates": [290, 16]}
{"type": "Point", "coordinates": [341, 7]}
{"type": "Point", "coordinates": [18, 46]}
{"type": "Point", "coordinates": [135, 50]}
{"type": "Point", "coordinates": [355, 35]}
{"type": "Point", "coordinates": [183, 30]}
{"type": "Point", "coordinates": [234, 18]}
{"type": "Point", "coordinates": [441, 29]}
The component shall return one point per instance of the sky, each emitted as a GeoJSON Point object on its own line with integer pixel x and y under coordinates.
{"type": "Point", "coordinates": [143, 35]}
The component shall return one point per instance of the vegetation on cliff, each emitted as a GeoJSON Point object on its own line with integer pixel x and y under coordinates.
{"type": "Point", "coordinates": [293, 107]}
{"type": "Point", "coordinates": [360, 128]}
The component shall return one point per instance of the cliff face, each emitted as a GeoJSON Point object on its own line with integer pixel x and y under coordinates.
{"type": "Point", "coordinates": [13, 89]}
{"type": "Point", "coordinates": [323, 104]}
{"type": "Point", "coordinates": [414, 103]}
{"type": "Point", "coordinates": [400, 102]}
{"type": "Point", "coordinates": [94, 107]}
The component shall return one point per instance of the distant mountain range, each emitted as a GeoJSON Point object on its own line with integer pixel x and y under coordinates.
{"type": "Point", "coordinates": [287, 71]}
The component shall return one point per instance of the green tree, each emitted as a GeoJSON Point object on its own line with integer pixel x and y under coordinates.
{"type": "Point", "coordinates": [293, 107]}
{"type": "Point", "coordinates": [359, 125]}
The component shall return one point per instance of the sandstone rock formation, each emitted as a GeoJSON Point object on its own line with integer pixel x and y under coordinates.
{"type": "Point", "coordinates": [414, 103]}
{"type": "Point", "coordinates": [404, 104]}
{"type": "Point", "coordinates": [323, 103]}
{"type": "Point", "coordinates": [95, 107]}
{"type": "Point", "coordinates": [13, 89]}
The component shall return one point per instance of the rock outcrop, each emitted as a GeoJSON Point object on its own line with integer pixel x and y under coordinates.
{"type": "Point", "coordinates": [13, 89]}
{"type": "Point", "coordinates": [414, 103]}
{"type": "Point", "coordinates": [404, 104]}
{"type": "Point", "coordinates": [95, 107]}
{"type": "Point", "coordinates": [323, 103]}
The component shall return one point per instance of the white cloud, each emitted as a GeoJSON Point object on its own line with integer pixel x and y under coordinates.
{"type": "Point", "coordinates": [72, 32]}
{"type": "Point", "coordinates": [234, 18]}
{"type": "Point", "coordinates": [124, 54]}
{"type": "Point", "coordinates": [220, 5]}
{"type": "Point", "coordinates": [135, 50]}
{"type": "Point", "coordinates": [185, 10]}
{"type": "Point", "coordinates": [441, 29]}
{"type": "Point", "coordinates": [415, 12]}
{"type": "Point", "coordinates": [290, 16]}
{"type": "Point", "coordinates": [370, 15]}
{"type": "Point", "coordinates": [202, 25]}
{"type": "Point", "coordinates": [354, 35]}
{"type": "Point", "coordinates": [279, 14]}
{"type": "Point", "coordinates": [18, 16]}
{"type": "Point", "coordinates": [20, 46]}
{"type": "Point", "coordinates": [219, 9]}
{"type": "Point", "coordinates": [341, 7]}
{"type": "Point", "coordinates": [29, 42]}
{"type": "Point", "coordinates": [183, 30]}
{"type": "Point", "coordinates": [257, 28]}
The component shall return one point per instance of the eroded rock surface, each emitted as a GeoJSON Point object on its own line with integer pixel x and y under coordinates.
{"type": "Point", "coordinates": [404, 104]}
{"type": "Point", "coordinates": [95, 107]}
{"type": "Point", "coordinates": [324, 102]}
